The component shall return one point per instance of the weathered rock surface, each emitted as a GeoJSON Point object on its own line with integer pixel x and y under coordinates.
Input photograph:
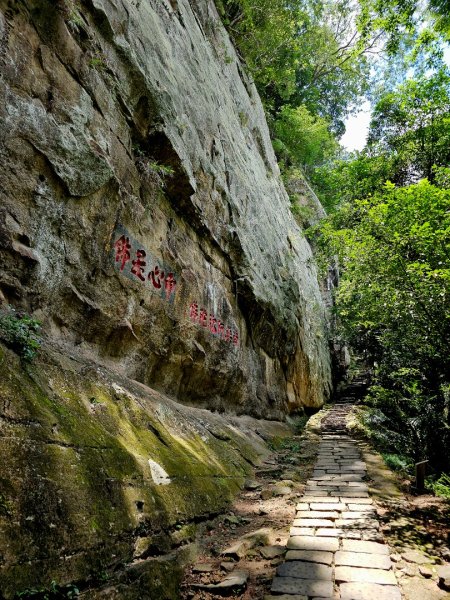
{"type": "Point", "coordinates": [78, 493]}
{"type": "Point", "coordinates": [144, 222]}
{"type": "Point", "coordinates": [130, 133]}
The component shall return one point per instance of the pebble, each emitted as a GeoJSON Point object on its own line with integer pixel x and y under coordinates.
{"type": "Point", "coordinates": [425, 572]}
{"type": "Point", "coordinates": [272, 551]}
{"type": "Point", "coordinates": [233, 583]}
{"type": "Point", "coordinates": [444, 577]}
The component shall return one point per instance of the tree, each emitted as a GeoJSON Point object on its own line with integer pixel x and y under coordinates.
{"type": "Point", "coordinates": [412, 124]}
{"type": "Point", "coordinates": [302, 139]}
{"type": "Point", "coordinates": [393, 301]}
{"type": "Point", "coordinates": [352, 176]}
{"type": "Point", "coordinates": [307, 53]}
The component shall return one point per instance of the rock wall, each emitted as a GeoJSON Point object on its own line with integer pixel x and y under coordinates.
{"type": "Point", "coordinates": [143, 221]}
{"type": "Point", "coordinates": [104, 481]}
{"type": "Point", "coordinates": [142, 216]}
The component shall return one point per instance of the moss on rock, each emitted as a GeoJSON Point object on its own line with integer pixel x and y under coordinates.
{"type": "Point", "coordinates": [77, 490]}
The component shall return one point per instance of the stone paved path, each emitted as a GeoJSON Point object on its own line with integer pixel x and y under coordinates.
{"type": "Point", "coordinates": [335, 550]}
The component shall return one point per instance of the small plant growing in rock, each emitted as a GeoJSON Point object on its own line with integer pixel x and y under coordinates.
{"type": "Point", "coordinates": [21, 333]}
{"type": "Point", "coordinates": [98, 62]}
{"type": "Point", "coordinates": [71, 13]}
{"type": "Point", "coordinates": [152, 170]}
{"type": "Point", "coordinates": [162, 170]}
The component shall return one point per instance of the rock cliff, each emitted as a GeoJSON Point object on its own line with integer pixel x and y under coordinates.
{"type": "Point", "coordinates": [142, 213]}
{"type": "Point", "coordinates": [144, 223]}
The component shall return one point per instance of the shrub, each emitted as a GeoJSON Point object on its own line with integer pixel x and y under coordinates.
{"type": "Point", "coordinates": [21, 333]}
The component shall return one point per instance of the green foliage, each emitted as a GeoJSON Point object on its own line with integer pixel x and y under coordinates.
{"type": "Point", "coordinates": [360, 175]}
{"type": "Point", "coordinates": [301, 53]}
{"type": "Point", "coordinates": [397, 462]}
{"type": "Point", "coordinates": [159, 169]}
{"type": "Point", "coordinates": [98, 62]}
{"type": "Point", "coordinates": [54, 592]}
{"type": "Point", "coordinates": [441, 487]}
{"type": "Point", "coordinates": [411, 125]}
{"type": "Point", "coordinates": [395, 19]}
{"type": "Point", "coordinates": [302, 139]}
{"type": "Point", "coordinates": [393, 306]}
{"type": "Point", "coordinates": [71, 12]}
{"type": "Point", "coordinates": [151, 169]}
{"type": "Point", "coordinates": [21, 333]}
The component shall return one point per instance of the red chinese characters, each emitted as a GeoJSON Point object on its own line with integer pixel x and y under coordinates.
{"type": "Point", "coordinates": [203, 318]}
{"type": "Point", "coordinates": [211, 323]}
{"type": "Point", "coordinates": [169, 285]}
{"type": "Point", "coordinates": [122, 247]}
{"type": "Point", "coordinates": [140, 267]}
{"type": "Point", "coordinates": [193, 311]}
{"type": "Point", "coordinates": [220, 328]}
{"type": "Point", "coordinates": [157, 278]}
{"type": "Point", "coordinates": [139, 264]}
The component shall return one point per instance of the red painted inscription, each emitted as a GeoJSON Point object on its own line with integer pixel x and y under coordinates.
{"type": "Point", "coordinates": [123, 248]}
{"type": "Point", "coordinates": [215, 326]}
{"type": "Point", "coordinates": [140, 264]}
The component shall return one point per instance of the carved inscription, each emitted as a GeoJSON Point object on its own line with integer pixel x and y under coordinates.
{"type": "Point", "coordinates": [132, 260]}
{"type": "Point", "coordinates": [136, 263]}
{"type": "Point", "coordinates": [213, 324]}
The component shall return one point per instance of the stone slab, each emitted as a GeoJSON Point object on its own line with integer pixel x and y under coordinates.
{"type": "Point", "coordinates": [316, 514]}
{"type": "Point", "coordinates": [369, 591]}
{"type": "Point", "coordinates": [415, 588]}
{"type": "Point", "coordinates": [337, 477]}
{"type": "Point", "coordinates": [371, 535]}
{"type": "Point", "coordinates": [328, 531]}
{"type": "Point", "coordinates": [364, 499]}
{"type": "Point", "coordinates": [323, 500]}
{"type": "Point", "coordinates": [313, 543]}
{"type": "Point", "coordinates": [300, 531]}
{"type": "Point", "coordinates": [313, 523]}
{"type": "Point", "coordinates": [328, 506]}
{"type": "Point", "coordinates": [366, 523]}
{"type": "Point", "coordinates": [361, 559]}
{"type": "Point", "coordinates": [302, 506]}
{"type": "Point", "coordinates": [305, 570]}
{"type": "Point", "coordinates": [365, 547]}
{"type": "Point", "coordinates": [364, 575]}
{"type": "Point", "coordinates": [416, 557]}
{"type": "Point", "coordinates": [361, 507]}
{"type": "Point", "coordinates": [308, 587]}
{"type": "Point", "coordinates": [356, 514]}
{"type": "Point", "coordinates": [315, 493]}
{"type": "Point", "coordinates": [316, 556]}
{"type": "Point", "coordinates": [286, 597]}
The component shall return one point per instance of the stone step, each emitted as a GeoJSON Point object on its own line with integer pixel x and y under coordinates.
{"type": "Point", "coordinates": [335, 548]}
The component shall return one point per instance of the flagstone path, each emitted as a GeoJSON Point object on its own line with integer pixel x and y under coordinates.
{"type": "Point", "coordinates": [335, 549]}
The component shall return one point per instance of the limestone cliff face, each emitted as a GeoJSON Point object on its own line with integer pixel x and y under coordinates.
{"type": "Point", "coordinates": [142, 216]}
{"type": "Point", "coordinates": [143, 221]}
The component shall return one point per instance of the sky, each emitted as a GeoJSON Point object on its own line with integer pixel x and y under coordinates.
{"type": "Point", "coordinates": [356, 129]}
{"type": "Point", "coordinates": [357, 126]}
